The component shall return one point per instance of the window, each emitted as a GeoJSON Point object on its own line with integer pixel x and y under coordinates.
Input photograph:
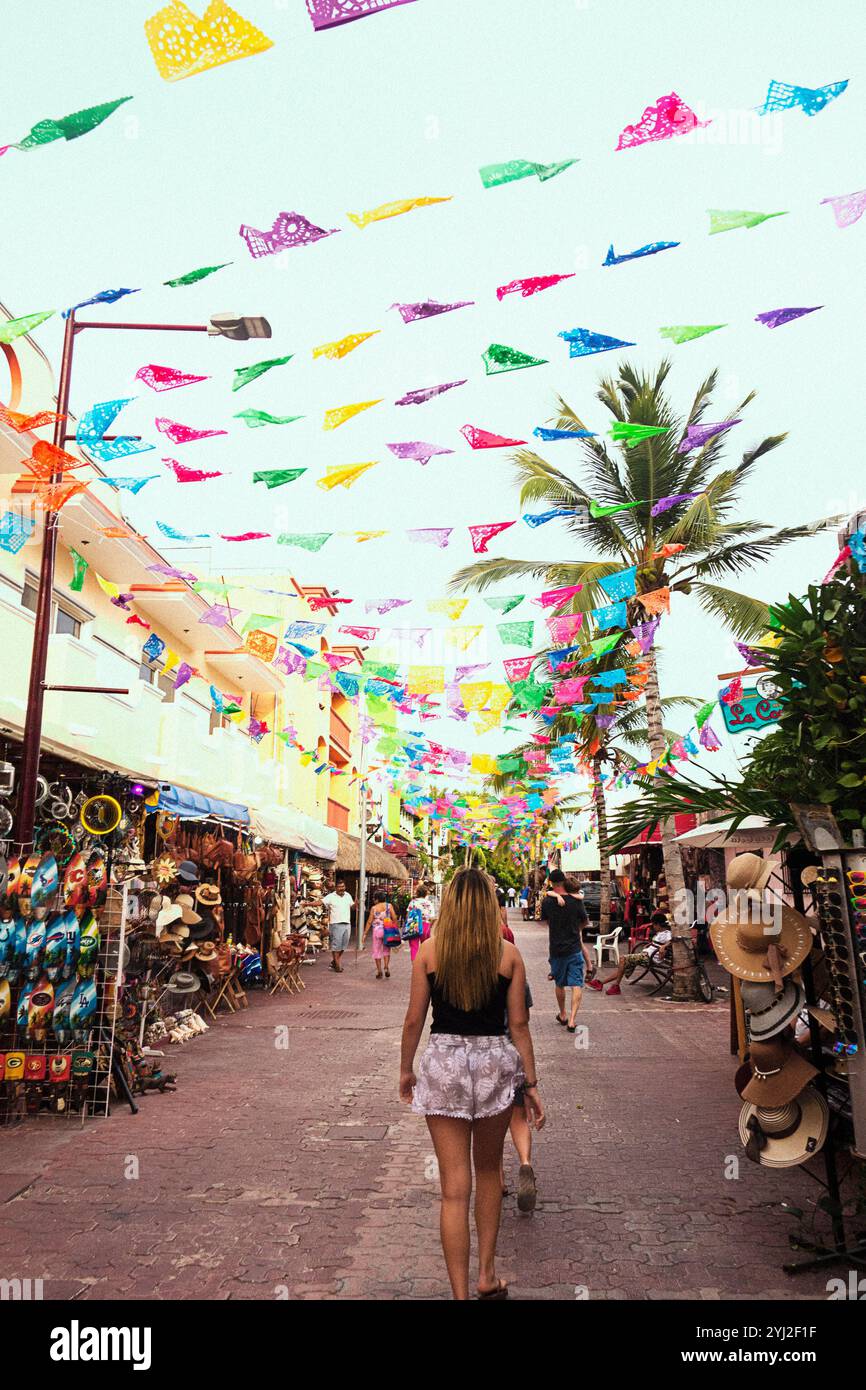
{"type": "Point", "coordinates": [64, 617]}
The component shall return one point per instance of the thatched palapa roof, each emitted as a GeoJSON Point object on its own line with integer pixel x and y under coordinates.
{"type": "Point", "coordinates": [378, 861]}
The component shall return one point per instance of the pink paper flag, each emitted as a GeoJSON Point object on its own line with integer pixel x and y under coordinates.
{"type": "Point", "coordinates": [337, 660]}
{"type": "Point", "coordinates": [166, 378]}
{"type": "Point", "coordinates": [189, 475]}
{"type": "Point", "coordinates": [363, 634]}
{"type": "Point", "coordinates": [562, 629]}
{"type": "Point", "coordinates": [318, 601]}
{"type": "Point", "coordinates": [483, 439]}
{"type": "Point", "coordinates": [847, 207]}
{"type": "Point", "coordinates": [517, 668]}
{"type": "Point", "coordinates": [552, 598]}
{"type": "Point", "coordinates": [431, 535]}
{"type": "Point", "coordinates": [183, 434]}
{"type": "Point", "coordinates": [570, 692]}
{"type": "Point", "coordinates": [532, 284]}
{"type": "Point", "coordinates": [669, 116]}
{"type": "Point", "coordinates": [481, 535]}
{"type": "Point", "coordinates": [248, 536]}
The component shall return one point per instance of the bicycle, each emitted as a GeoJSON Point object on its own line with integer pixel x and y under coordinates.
{"type": "Point", "coordinates": [661, 968]}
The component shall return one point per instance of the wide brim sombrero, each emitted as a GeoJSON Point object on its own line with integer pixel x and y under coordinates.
{"type": "Point", "coordinates": [794, 939]}
{"type": "Point", "coordinates": [805, 1141]}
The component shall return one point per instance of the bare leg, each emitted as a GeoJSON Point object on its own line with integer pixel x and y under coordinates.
{"type": "Point", "coordinates": [521, 1134]}
{"type": "Point", "coordinates": [576, 996]}
{"type": "Point", "coordinates": [451, 1140]}
{"type": "Point", "coordinates": [560, 1001]}
{"type": "Point", "coordinates": [488, 1138]}
{"type": "Point", "coordinates": [387, 962]}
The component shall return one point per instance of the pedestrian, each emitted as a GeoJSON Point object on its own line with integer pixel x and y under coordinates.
{"type": "Point", "coordinates": [470, 1068]}
{"type": "Point", "coordinates": [420, 916]}
{"type": "Point", "coordinates": [657, 947]}
{"type": "Point", "coordinates": [511, 895]}
{"type": "Point", "coordinates": [519, 1129]}
{"type": "Point", "coordinates": [381, 915]}
{"type": "Point", "coordinates": [524, 901]}
{"type": "Point", "coordinates": [500, 901]}
{"type": "Point", "coordinates": [339, 905]}
{"type": "Point", "coordinates": [570, 960]}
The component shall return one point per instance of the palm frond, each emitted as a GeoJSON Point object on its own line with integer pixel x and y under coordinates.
{"type": "Point", "coordinates": [746, 617]}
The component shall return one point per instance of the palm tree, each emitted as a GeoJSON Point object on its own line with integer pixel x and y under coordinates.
{"type": "Point", "coordinates": [689, 546]}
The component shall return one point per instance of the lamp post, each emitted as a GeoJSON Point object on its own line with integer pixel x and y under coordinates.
{"type": "Point", "coordinates": [231, 326]}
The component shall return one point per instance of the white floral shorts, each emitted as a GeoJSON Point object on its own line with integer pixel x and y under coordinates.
{"type": "Point", "coordinates": [468, 1078]}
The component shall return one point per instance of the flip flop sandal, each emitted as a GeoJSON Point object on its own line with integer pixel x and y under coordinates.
{"type": "Point", "coordinates": [494, 1295]}
{"type": "Point", "coordinates": [561, 1021]}
{"type": "Point", "coordinates": [572, 1027]}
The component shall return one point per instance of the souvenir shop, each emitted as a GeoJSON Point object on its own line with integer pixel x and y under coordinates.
{"type": "Point", "coordinates": [385, 873]}
{"type": "Point", "coordinates": [798, 989]}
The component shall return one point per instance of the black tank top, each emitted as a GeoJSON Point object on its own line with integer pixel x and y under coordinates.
{"type": "Point", "coordinates": [488, 1021]}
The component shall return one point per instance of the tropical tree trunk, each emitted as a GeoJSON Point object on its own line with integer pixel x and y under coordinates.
{"type": "Point", "coordinates": [685, 974]}
{"type": "Point", "coordinates": [603, 852]}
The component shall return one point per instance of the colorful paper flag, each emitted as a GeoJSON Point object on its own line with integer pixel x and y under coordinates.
{"type": "Point", "coordinates": [624, 432]}
{"type": "Point", "coordinates": [244, 375]}
{"type": "Point", "coordinates": [339, 414]}
{"type": "Point", "coordinates": [255, 419]}
{"type": "Point", "coordinates": [16, 328]}
{"type": "Point", "coordinates": [183, 434]}
{"type": "Point", "coordinates": [774, 318]}
{"type": "Point", "coordinates": [327, 14]}
{"type": "Point", "coordinates": [516, 634]}
{"type": "Point", "coordinates": [696, 436]}
{"type": "Point", "coordinates": [103, 297]}
{"type": "Point", "coordinates": [664, 504]}
{"type": "Point", "coordinates": [652, 248]}
{"type": "Point", "coordinates": [492, 175]}
{"type": "Point", "coordinates": [731, 220]}
{"type": "Point", "coordinates": [504, 603]}
{"type": "Point", "coordinates": [276, 477]}
{"type": "Point", "coordinates": [499, 358]}
{"type": "Point", "coordinates": [192, 277]}
{"type": "Point", "coordinates": [386, 210]}
{"type": "Point", "coordinates": [430, 535]}
{"type": "Point", "coordinates": [483, 439]}
{"type": "Point", "coordinates": [419, 451]}
{"type": "Point", "coordinates": [685, 332]}
{"type": "Point", "coordinates": [308, 541]}
{"type": "Point", "coordinates": [343, 476]}
{"type": "Point", "coordinates": [482, 535]}
{"type": "Point", "coordinates": [16, 530]}
{"type": "Point", "coordinates": [582, 342]}
{"type": "Point", "coordinates": [667, 117]}
{"type": "Point", "coordinates": [166, 378]}
{"type": "Point", "coordinates": [532, 284]}
{"type": "Point", "coordinates": [550, 436]}
{"type": "Point", "coordinates": [182, 45]}
{"type": "Point", "coordinates": [426, 393]}
{"type": "Point", "coordinates": [848, 208]}
{"type": "Point", "coordinates": [782, 96]}
{"type": "Point", "coordinates": [428, 308]}
{"type": "Point", "coordinates": [343, 346]}
{"type": "Point", "coordinates": [290, 229]}
{"type": "Point", "coordinates": [69, 127]}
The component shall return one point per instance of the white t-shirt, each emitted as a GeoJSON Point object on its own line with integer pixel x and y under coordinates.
{"type": "Point", "coordinates": [660, 939]}
{"type": "Point", "coordinates": [339, 906]}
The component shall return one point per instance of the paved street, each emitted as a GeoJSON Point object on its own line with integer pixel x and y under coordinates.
{"type": "Point", "coordinates": [295, 1172]}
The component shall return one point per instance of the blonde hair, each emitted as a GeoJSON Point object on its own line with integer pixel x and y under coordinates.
{"type": "Point", "coordinates": [468, 939]}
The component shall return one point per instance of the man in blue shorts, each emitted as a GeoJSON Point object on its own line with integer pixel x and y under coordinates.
{"type": "Point", "coordinates": [565, 916]}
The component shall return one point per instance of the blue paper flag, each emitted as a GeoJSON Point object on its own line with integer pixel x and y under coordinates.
{"type": "Point", "coordinates": [104, 297]}
{"type": "Point", "coordinates": [541, 518]}
{"type": "Point", "coordinates": [153, 647]}
{"type": "Point", "coordinates": [611, 615]}
{"type": "Point", "coordinates": [15, 531]}
{"type": "Point", "coordinates": [550, 436]}
{"type": "Point", "coordinates": [129, 484]}
{"type": "Point", "coordinates": [651, 249]}
{"type": "Point", "coordinates": [582, 342]}
{"type": "Point", "coordinates": [620, 585]}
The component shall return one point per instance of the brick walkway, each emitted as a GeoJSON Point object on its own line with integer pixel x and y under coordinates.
{"type": "Point", "coordinates": [295, 1172]}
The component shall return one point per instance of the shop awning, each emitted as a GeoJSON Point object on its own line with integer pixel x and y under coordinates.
{"type": "Point", "coordinates": [378, 863]}
{"type": "Point", "coordinates": [285, 825]}
{"type": "Point", "coordinates": [189, 805]}
{"type": "Point", "coordinates": [753, 832]}
{"type": "Point", "coordinates": [682, 823]}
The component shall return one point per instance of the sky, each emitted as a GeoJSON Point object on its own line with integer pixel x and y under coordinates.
{"type": "Point", "coordinates": [408, 103]}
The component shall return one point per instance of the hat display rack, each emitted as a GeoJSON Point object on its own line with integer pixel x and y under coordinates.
{"type": "Point", "coordinates": [795, 1100]}
{"type": "Point", "coordinates": [62, 947]}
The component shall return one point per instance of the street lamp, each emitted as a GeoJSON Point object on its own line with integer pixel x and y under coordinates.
{"type": "Point", "coordinates": [237, 329]}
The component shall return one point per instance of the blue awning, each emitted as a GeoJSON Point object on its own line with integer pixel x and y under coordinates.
{"type": "Point", "coordinates": [180, 801]}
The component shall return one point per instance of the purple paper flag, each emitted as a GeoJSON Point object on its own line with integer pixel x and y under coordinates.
{"type": "Point", "coordinates": [752, 656]}
{"type": "Point", "coordinates": [184, 674]}
{"type": "Point", "coordinates": [774, 318]}
{"type": "Point", "coordinates": [431, 535]}
{"type": "Point", "coordinates": [427, 309]}
{"type": "Point", "coordinates": [418, 450]}
{"type": "Point", "coordinates": [696, 436]}
{"type": "Point", "coordinates": [664, 504]}
{"type": "Point", "coordinates": [848, 208]}
{"type": "Point", "coordinates": [219, 615]}
{"type": "Point", "coordinates": [327, 14]}
{"type": "Point", "coordinates": [171, 573]}
{"type": "Point", "coordinates": [463, 673]}
{"type": "Point", "coordinates": [289, 229]}
{"type": "Point", "coordinates": [384, 605]}
{"type": "Point", "coordinates": [645, 634]}
{"type": "Point", "coordinates": [709, 740]}
{"type": "Point", "coordinates": [426, 393]}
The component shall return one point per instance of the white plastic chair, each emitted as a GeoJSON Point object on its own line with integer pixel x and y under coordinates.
{"type": "Point", "coordinates": [609, 943]}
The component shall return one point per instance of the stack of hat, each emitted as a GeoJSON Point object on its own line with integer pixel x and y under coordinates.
{"type": "Point", "coordinates": [784, 1119]}
{"type": "Point", "coordinates": [308, 911]}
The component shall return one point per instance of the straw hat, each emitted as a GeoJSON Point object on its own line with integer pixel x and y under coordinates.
{"type": "Point", "coordinates": [168, 914]}
{"type": "Point", "coordinates": [768, 1013]}
{"type": "Point", "coordinates": [185, 903]}
{"type": "Point", "coordinates": [783, 1136]}
{"type": "Point", "coordinates": [750, 871]}
{"type": "Point", "coordinates": [206, 951]}
{"type": "Point", "coordinates": [184, 982]}
{"type": "Point", "coordinates": [759, 951]}
{"type": "Point", "coordinates": [779, 1073]}
{"type": "Point", "coordinates": [208, 895]}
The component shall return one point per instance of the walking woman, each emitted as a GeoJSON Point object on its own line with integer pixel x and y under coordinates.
{"type": "Point", "coordinates": [470, 1068]}
{"type": "Point", "coordinates": [381, 915]}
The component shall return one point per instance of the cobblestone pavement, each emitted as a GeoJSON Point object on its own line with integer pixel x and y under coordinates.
{"type": "Point", "coordinates": [296, 1173]}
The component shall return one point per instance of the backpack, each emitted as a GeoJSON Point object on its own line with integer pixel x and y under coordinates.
{"type": "Point", "coordinates": [413, 927]}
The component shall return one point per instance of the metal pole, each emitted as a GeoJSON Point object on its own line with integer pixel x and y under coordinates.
{"type": "Point", "coordinates": [362, 866]}
{"type": "Point", "coordinates": [25, 814]}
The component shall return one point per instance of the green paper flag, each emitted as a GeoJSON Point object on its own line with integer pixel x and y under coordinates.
{"type": "Point", "coordinates": [263, 620]}
{"type": "Point", "coordinates": [704, 713]}
{"type": "Point", "coordinates": [622, 432]}
{"type": "Point", "coordinates": [602, 645]}
{"type": "Point", "coordinates": [80, 569]}
{"type": "Point", "coordinates": [513, 169]}
{"type": "Point", "coordinates": [256, 418]}
{"type": "Point", "coordinates": [505, 603]}
{"type": "Point", "coordinates": [380, 669]}
{"type": "Point", "coordinates": [244, 375]}
{"type": "Point", "coordinates": [499, 358]}
{"type": "Point", "coordinates": [306, 540]}
{"type": "Point", "coordinates": [275, 477]}
{"type": "Point", "coordinates": [721, 221]}
{"type": "Point", "coordinates": [16, 328]}
{"type": "Point", "coordinates": [529, 695]}
{"type": "Point", "coordinates": [516, 634]}
{"type": "Point", "coordinates": [69, 127]}
{"type": "Point", "coordinates": [684, 332]}
{"type": "Point", "coordinates": [596, 509]}
{"type": "Point", "coordinates": [193, 276]}
{"type": "Point", "coordinates": [316, 668]}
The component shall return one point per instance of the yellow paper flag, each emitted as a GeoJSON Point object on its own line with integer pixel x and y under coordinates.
{"type": "Point", "coordinates": [486, 763]}
{"type": "Point", "coordinates": [453, 607]}
{"type": "Point", "coordinates": [171, 659]}
{"type": "Point", "coordinates": [341, 413]}
{"type": "Point", "coordinates": [426, 680]}
{"type": "Point", "coordinates": [344, 475]}
{"type": "Point", "coordinates": [385, 210]}
{"type": "Point", "coordinates": [106, 586]}
{"type": "Point", "coordinates": [463, 637]}
{"type": "Point", "coordinates": [343, 346]}
{"type": "Point", "coordinates": [475, 694]}
{"type": "Point", "coordinates": [368, 535]}
{"type": "Point", "coordinates": [183, 45]}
